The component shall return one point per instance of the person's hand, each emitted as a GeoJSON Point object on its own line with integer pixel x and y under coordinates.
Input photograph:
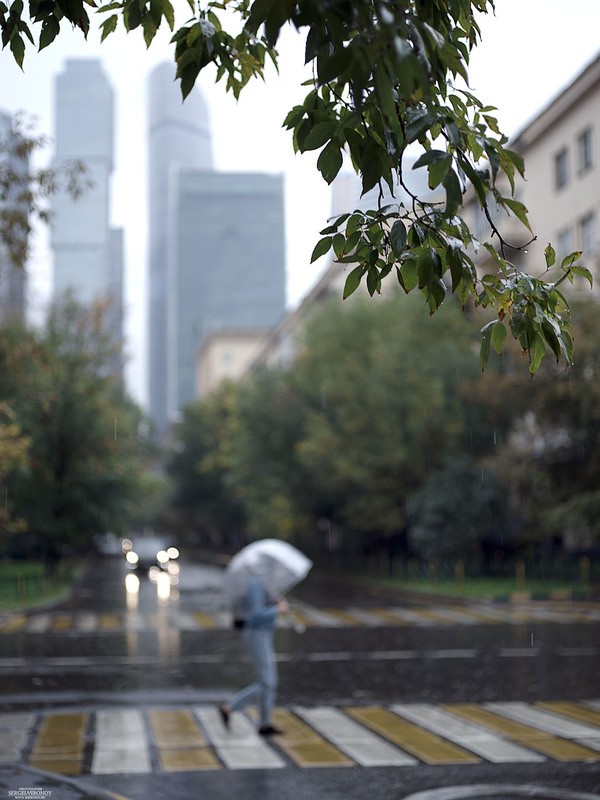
{"type": "Point", "coordinates": [283, 606]}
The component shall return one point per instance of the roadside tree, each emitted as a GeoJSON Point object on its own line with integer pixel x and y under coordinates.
{"type": "Point", "coordinates": [85, 457]}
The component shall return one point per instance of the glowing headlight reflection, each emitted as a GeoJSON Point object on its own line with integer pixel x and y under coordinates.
{"type": "Point", "coordinates": [162, 557]}
{"type": "Point", "coordinates": [173, 552]}
{"type": "Point", "coordinates": [163, 585]}
{"type": "Point", "coordinates": [132, 583]}
{"type": "Point", "coordinates": [132, 557]}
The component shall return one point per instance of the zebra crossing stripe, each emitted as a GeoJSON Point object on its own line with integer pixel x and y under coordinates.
{"type": "Point", "coordinates": [181, 744]}
{"type": "Point", "coordinates": [121, 743]}
{"type": "Point", "coordinates": [342, 617]}
{"type": "Point", "coordinates": [14, 624]}
{"type": "Point", "coordinates": [472, 737]}
{"type": "Point", "coordinates": [110, 622]}
{"type": "Point", "coordinates": [204, 620]}
{"type": "Point", "coordinates": [38, 624]}
{"type": "Point", "coordinates": [304, 745]}
{"type": "Point", "coordinates": [240, 746]}
{"type": "Point", "coordinates": [549, 722]}
{"type": "Point", "coordinates": [59, 744]}
{"type": "Point", "coordinates": [86, 622]}
{"type": "Point", "coordinates": [532, 738]}
{"type": "Point", "coordinates": [362, 745]}
{"type": "Point", "coordinates": [573, 711]}
{"type": "Point", "coordinates": [14, 729]}
{"type": "Point", "coordinates": [426, 746]}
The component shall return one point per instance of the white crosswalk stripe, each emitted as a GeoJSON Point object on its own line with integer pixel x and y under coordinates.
{"type": "Point", "coordinates": [121, 743]}
{"type": "Point", "coordinates": [240, 747]}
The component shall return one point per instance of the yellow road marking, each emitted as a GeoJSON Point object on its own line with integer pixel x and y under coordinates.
{"type": "Point", "coordinates": [304, 745]}
{"type": "Point", "coordinates": [14, 624]}
{"type": "Point", "coordinates": [59, 745]}
{"type": "Point", "coordinates": [344, 617]}
{"type": "Point", "coordinates": [188, 759]}
{"type": "Point", "coordinates": [62, 622]}
{"type": "Point", "coordinates": [110, 622]}
{"type": "Point", "coordinates": [425, 746]}
{"type": "Point", "coordinates": [388, 617]}
{"type": "Point", "coordinates": [175, 729]}
{"type": "Point", "coordinates": [534, 739]}
{"type": "Point", "coordinates": [181, 744]}
{"type": "Point", "coordinates": [573, 711]}
{"type": "Point", "coordinates": [205, 620]}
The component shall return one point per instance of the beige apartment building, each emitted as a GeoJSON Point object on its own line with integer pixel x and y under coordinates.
{"type": "Point", "coordinates": [561, 191]}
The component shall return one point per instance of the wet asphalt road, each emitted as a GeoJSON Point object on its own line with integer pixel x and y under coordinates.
{"type": "Point", "coordinates": [477, 663]}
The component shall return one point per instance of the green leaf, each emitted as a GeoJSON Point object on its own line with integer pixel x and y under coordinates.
{"type": "Point", "coordinates": [518, 210]}
{"type": "Point", "coordinates": [17, 45]}
{"type": "Point", "coordinates": [318, 135]}
{"type": "Point", "coordinates": [330, 161]}
{"type": "Point", "coordinates": [537, 351]}
{"type": "Point", "coordinates": [550, 255]}
{"type": "Point", "coordinates": [353, 281]}
{"type": "Point", "coordinates": [50, 30]}
{"type": "Point", "coordinates": [453, 189]}
{"type": "Point", "coordinates": [109, 26]}
{"type": "Point", "coordinates": [323, 246]}
{"type": "Point", "coordinates": [398, 237]}
{"type": "Point", "coordinates": [569, 260]}
{"type": "Point", "coordinates": [498, 336]}
{"type": "Point", "coordinates": [408, 275]}
{"type": "Point", "coordinates": [583, 272]}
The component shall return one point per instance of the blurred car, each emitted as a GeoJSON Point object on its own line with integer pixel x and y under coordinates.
{"type": "Point", "coordinates": [108, 544]}
{"type": "Point", "coordinates": [146, 552]}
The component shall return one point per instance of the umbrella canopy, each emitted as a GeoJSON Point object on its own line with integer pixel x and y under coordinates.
{"type": "Point", "coordinates": [277, 564]}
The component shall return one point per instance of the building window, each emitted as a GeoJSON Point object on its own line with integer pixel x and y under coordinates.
{"type": "Point", "coordinates": [587, 231]}
{"type": "Point", "coordinates": [561, 168]}
{"type": "Point", "coordinates": [584, 150]}
{"type": "Point", "coordinates": [564, 244]}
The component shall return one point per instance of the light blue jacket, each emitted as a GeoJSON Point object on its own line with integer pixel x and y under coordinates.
{"type": "Point", "coordinates": [261, 612]}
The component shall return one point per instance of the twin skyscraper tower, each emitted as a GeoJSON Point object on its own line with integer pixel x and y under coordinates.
{"type": "Point", "coordinates": [216, 242]}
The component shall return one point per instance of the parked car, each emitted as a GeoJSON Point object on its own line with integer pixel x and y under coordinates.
{"type": "Point", "coordinates": [145, 552]}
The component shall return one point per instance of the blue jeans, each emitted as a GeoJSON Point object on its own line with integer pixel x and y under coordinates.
{"type": "Point", "coordinates": [259, 643]}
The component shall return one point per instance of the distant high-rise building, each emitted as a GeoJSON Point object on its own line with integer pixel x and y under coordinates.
{"type": "Point", "coordinates": [179, 138]}
{"type": "Point", "coordinates": [217, 249]}
{"type": "Point", "coordinates": [88, 252]}
{"type": "Point", "coordinates": [228, 270]}
{"type": "Point", "coordinates": [12, 278]}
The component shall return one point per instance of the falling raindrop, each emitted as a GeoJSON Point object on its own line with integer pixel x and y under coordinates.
{"type": "Point", "coordinates": [532, 639]}
{"type": "Point", "coordinates": [495, 439]}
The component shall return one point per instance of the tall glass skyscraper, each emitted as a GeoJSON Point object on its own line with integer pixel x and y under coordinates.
{"type": "Point", "coordinates": [88, 253]}
{"type": "Point", "coordinates": [217, 249]}
{"type": "Point", "coordinates": [179, 138]}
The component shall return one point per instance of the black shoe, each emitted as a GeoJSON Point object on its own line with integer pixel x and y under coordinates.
{"type": "Point", "coordinates": [269, 730]}
{"type": "Point", "coordinates": [224, 712]}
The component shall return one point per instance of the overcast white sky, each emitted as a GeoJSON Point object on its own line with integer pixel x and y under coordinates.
{"type": "Point", "coordinates": [531, 49]}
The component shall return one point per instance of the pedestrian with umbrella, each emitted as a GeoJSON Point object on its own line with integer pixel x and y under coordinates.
{"type": "Point", "coordinates": [255, 582]}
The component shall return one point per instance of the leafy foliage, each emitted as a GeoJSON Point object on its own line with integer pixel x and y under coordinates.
{"type": "Point", "coordinates": [456, 510]}
{"type": "Point", "coordinates": [25, 190]}
{"type": "Point", "coordinates": [81, 462]}
{"type": "Point", "coordinates": [387, 75]}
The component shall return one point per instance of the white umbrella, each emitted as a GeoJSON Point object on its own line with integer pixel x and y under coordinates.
{"type": "Point", "coordinates": [277, 564]}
